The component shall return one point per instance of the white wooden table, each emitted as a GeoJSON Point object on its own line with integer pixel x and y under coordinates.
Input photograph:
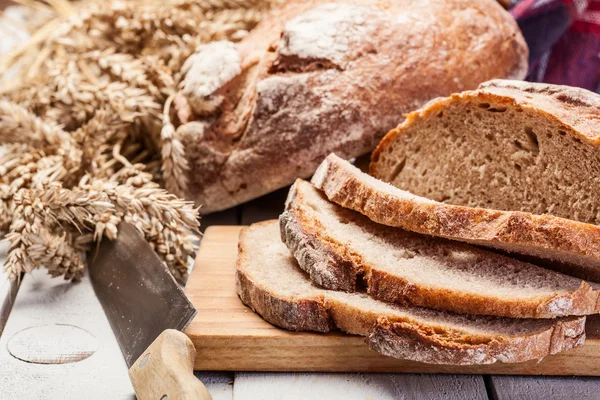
{"type": "Point", "coordinates": [52, 322]}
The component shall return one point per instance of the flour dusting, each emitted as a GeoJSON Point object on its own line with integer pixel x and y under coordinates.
{"type": "Point", "coordinates": [329, 32]}
{"type": "Point", "coordinates": [560, 305]}
{"type": "Point", "coordinates": [206, 71]}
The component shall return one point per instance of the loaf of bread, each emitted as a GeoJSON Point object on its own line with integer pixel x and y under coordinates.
{"type": "Point", "coordinates": [270, 282]}
{"type": "Point", "coordinates": [509, 145]}
{"type": "Point", "coordinates": [339, 248]}
{"type": "Point", "coordinates": [575, 244]}
{"type": "Point", "coordinates": [328, 76]}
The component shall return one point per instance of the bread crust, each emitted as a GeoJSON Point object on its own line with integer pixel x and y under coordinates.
{"type": "Point", "coordinates": [325, 262]}
{"type": "Point", "coordinates": [300, 315]}
{"type": "Point", "coordinates": [333, 264]}
{"type": "Point", "coordinates": [505, 230]}
{"type": "Point", "coordinates": [413, 339]}
{"type": "Point", "coordinates": [400, 340]}
{"type": "Point", "coordinates": [290, 107]}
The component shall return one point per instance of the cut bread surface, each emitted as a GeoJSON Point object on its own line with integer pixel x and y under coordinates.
{"type": "Point", "coordinates": [509, 145]}
{"type": "Point", "coordinates": [571, 247]}
{"type": "Point", "coordinates": [338, 246]}
{"type": "Point", "coordinates": [269, 281]}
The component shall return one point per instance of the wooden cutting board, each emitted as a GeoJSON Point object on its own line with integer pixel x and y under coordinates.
{"type": "Point", "coordinates": [230, 337]}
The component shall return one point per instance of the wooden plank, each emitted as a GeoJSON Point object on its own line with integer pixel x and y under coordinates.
{"type": "Point", "coordinates": [229, 336]}
{"type": "Point", "coordinates": [257, 386]}
{"type": "Point", "coordinates": [62, 322]}
{"type": "Point", "coordinates": [547, 387]}
{"type": "Point", "coordinates": [264, 208]}
{"type": "Point", "coordinates": [530, 387]}
{"type": "Point", "coordinates": [219, 384]}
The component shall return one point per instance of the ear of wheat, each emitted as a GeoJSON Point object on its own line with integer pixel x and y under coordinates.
{"type": "Point", "coordinates": [86, 133]}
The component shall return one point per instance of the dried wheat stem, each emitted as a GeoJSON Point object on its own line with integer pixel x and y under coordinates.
{"type": "Point", "coordinates": [175, 166]}
{"type": "Point", "coordinates": [170, 225]}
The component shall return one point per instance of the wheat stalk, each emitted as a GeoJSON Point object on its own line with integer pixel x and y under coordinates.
{"type": "Point", "coordinates": [17, 125]}
{"type": "Point", "coordinates": [39, 214]}
{"type": "Point", "coordinates": [169, 224]}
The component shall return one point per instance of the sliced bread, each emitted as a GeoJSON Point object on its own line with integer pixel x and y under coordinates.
{"type": "Point", "coordinates": [510, 145]}
{"type": "Point", "coordinates": [338, 247]}
{"type": "Point", "coordinates": [571, 247]}
{"type": "Point", "coordinates": [270, 282]}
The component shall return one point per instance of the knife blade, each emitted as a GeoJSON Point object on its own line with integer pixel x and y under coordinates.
{"type": "Point", "coordinates": [146, 308]}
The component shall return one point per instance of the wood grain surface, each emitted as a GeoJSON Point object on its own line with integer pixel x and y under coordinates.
{"type": "Point", "coordinates": [255, 386]}
{"type": "Point", "coordinates": [57, 343]}
{"type": "Point", "coordinates": [229, 336]}
{"type": "Point", "coordinates": [544, 388]}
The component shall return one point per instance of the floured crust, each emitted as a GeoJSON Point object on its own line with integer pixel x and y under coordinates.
{"type": "Point", "coordinates": [300, 315]}
{"type": "Point", "coordinates": [322, 76]}
{"type": "Point", "coordinates": [415, 334]}
{"type": "Point", "coordinates": [327, 263]}
{"type": "Point", "coordinates": [513, 231]}
{"type": "Point", "coordinates": [334, 264]}
{"type": "Point", "coordinates": [400, 340]}
{"type": "Point", "coordinates": [206, 73]}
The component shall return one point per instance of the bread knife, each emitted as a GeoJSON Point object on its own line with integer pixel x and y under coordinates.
{"type": "Point", "coordinates": [147, 311]}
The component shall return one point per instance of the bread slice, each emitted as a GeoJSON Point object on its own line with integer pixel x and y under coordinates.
{"type": "Point", "coordinates": [570, 247]}
{"type": "Point", "coordinates": [338, 246]}
{"type": "Point", "coordinates": [270, 282]}
{"type": "Point", "coordinates": [509, 145]}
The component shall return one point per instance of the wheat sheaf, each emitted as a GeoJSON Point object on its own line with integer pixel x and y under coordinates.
{"type": "Point", "coordinates": [85, 128]}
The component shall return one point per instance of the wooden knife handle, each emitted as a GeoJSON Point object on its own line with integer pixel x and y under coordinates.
{"type": "Point", "coordinates": [166, 370]}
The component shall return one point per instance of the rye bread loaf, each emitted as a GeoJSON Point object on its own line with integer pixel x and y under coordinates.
{"type": "Point", "coordinates": [341, 248]}
{"type": "Point", "coordinates": [270, 282]}
{"type": "Point", "coordinates": [322, 76]}
{"type": "Point", "coordinates": [509, 145]}
{"type": "Point", "coordinates": [575, 245]}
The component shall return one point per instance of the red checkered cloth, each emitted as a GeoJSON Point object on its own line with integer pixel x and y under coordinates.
{"type": "Point", "coordinates": [564, 40]}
